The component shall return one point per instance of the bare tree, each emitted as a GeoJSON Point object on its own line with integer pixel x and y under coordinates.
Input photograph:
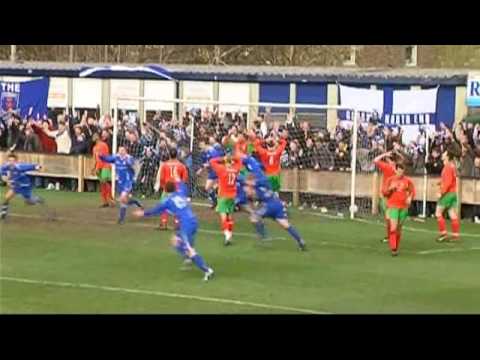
{"type": "Point", "coordinates": [280, 55]}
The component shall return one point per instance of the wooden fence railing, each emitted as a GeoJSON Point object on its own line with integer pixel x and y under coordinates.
{"type": "Point", "coordinates": [293, 180]}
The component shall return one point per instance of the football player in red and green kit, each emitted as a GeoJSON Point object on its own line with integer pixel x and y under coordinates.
{"type": "Point", "coordinates": [238, 145]}
{"type": "Point", "coordinates": [386, 165]}
{"type": "Point", "coordinates": [169, 171]}
{"type": "Point", "coordinates": [227, 169]}
{"type": "Point", "coordinates": [271, 157]}
{"type": "Point", "coordinates": [399, 193]}
{"type": "Point", "coordinates": [447, 200]}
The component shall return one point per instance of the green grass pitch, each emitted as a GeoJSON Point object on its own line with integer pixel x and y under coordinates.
{"type": "Point", "coordinates": [85, 263]}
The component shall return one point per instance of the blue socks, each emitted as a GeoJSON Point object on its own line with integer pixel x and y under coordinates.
{"type": "Point", "coordinates": [294, 233]}
{"type": "Point", "coordinates": [200, 263]}
{"type": "Point", "coordinates": [181, 252]}
{"type": "Point", "coordinates": [212, 196]}
{"type": "Point", "coordinates": [123, 212]}
{"type": "Point", "coordinates": [123, 208]}
{"type": "Point", "coordinates": [135, 202]}
{"type": "Point", "coordinates": [197, 259]}
{"type": "Point", "coordinates": [260, 227]}
{"type": "Point", "coordinates": [34, 199]}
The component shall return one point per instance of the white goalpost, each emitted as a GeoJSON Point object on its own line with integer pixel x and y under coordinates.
{"type": "Point", "coordinates": [289, 107]}
{"type": "Point", "coordinates": [425, 174]}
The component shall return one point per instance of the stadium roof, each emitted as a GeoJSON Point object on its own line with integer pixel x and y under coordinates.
{"type": "Point", "coordinates": [352, 75]}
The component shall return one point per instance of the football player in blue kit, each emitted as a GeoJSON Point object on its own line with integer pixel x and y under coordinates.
{"type": "Point", "coordinates": [15, 175]}
{"type": "Point", "coordinates": [183, 241]}
{"type": "Point", "coordinates": [271, 207]}
{"type": "Point", "coordinates": [211, 151]}
{"type": "Point", "coordinates": [124, 180]}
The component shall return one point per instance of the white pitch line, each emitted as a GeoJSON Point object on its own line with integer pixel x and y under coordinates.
{"type": "Point", "coordinates": [378, 224]}
{"type": "Point", "coordinates": [201, 204]}
{"type": "Point", "coordinates": [423, 252]}
{"type": "Point", "coordinates": [163, 294]}
{"type": "Point", "coordinates": [437, 251]}
{"type": "Point", "coordinates": [144, 225]}
{"type": "Point", "coordinates": [249, 235]}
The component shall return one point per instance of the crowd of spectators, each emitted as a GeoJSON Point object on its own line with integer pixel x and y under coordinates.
{"type": "Point", "coordinates": [60, 134]}
{"type": "Point", "coordinates": [308, 148]}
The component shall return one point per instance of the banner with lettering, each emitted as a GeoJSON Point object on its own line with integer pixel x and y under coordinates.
{"type": "Point", "coordinates": [25, 98]}
{"type": "Point", "coordinates": [414, 111]}
{"type": "Point", "coordinates": [473, 89]}
{"type": "Point", "coordinates": [364, 100]}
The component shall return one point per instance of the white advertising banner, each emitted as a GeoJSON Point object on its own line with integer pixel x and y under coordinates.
{"type": "Point", "coordinates": [234, 93]}
{"type": "Point", "coordinates": [363, 100]}
{"type": "Point", "coordinates": [158, 89]}
{"type": "Point", "coordinates": [415, 101]}
{"type": "Point", "coordinates": [125, 88]}
{"type": "Point", "coordinates": [58, 93]}
{"type": "Point", "coordinates": [473, 89]}
{"type": "Point", "coordinates": [197, 90]}
{"type": "Point", "coordinates": [87, 93]}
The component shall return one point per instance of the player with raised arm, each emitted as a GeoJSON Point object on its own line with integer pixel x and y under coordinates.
{"type": "Point", "coordinates": [124, 180]}
{"type": "Point", "coordinates": [238, 145]}
{"type": "Point", "coordinates": [272, 207]}
{"type": "Point", "coordinates": [211, 151]}
{"type": "Point", "coordinates": [386, 165]}
{"type": "Point", "coordinates": [227, 170]}
{"type": "Point", "coordinates": [177, 204]}
{"type": "Point", "coordinates": [399, 190]}
{"type": "Point", "coordinates": [254, 167]}
{"type": "Point", "coordinates": [447, 199]}
{"type": "Point", "coordinates": [270, 157]}
{"type": "Point", "coordinates": [235, 141]}
{"type": "Point", "coordinates": [15, 175]}
{"type": "Point", "coordinates": [169, 171]}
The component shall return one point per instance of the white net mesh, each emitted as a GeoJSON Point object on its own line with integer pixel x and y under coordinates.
{"type": "Point", "coordinates": [316, 164]}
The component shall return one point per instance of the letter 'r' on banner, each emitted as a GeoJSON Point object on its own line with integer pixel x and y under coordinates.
{"type": "Point", "coordinates": [473, 89]}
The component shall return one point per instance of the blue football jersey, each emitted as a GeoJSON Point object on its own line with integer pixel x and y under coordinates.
{"type": "Point", "coordinates": [123, 167]}
{"type": "Point", "coordinates": [178, 205]}
{"type": "Point", "coordinates": [17, 174]}
{"type": "Point", "coordinates": [241, 198]}
{"type": "Point", "coordinates": [213, 152]}
{"type": "Point", "coordinates": [254, 166]}
{"type": "Point", "coordinates": [264, 192]}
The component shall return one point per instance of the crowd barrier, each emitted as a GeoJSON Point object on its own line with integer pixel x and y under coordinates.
{"type": "Point", "coordinates": [293, 180]}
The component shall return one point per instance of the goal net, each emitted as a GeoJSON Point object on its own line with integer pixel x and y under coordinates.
{"type": "Point", "coordinates": [322, 168]}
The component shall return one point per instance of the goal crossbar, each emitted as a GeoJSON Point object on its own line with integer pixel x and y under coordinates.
{"type": "Point", "coordinates": [249, 104]}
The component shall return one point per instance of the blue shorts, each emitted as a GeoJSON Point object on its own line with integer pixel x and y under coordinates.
{"type": "Point", "coordinates": [212, 175]}
{"type": "Point", "coordinates": [25, 192]}
{"type": "Point", "coordinates": [187, 235]}
{"type": "Point", "coordinates": [273, 209]}
{"type": "Point", "coordinates": [124, 187]}
{"type": "Point", "coordinates": [241, 199]}
{"type": "Point", "coordinates": [264, 182]}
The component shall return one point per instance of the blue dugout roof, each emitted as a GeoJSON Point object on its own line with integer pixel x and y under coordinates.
{"type": "Point", "coordinates": [297, 74]}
